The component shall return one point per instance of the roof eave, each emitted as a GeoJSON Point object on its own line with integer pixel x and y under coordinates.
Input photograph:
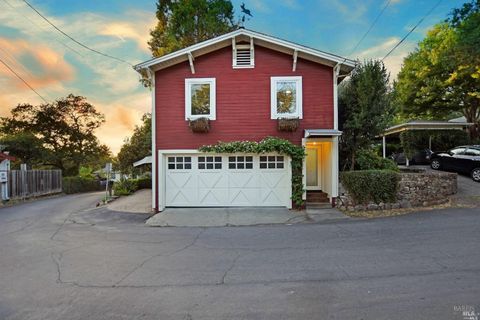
{"type": "Point", "coordinates": [223, 40]}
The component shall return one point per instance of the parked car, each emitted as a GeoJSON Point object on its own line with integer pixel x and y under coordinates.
{"type": "Point", "coordinates": [463, 159]}
{"type": "Point", "coordinates": [420, 157]}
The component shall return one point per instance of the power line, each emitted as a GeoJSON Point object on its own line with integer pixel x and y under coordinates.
{"type": "Point", "coordinates": [26, 83]}
{"type": "Point", "coordinates": [413, 29]}
{"type": "Point", "coordinates": [74, 40]}
{"type": "Point", "coordinates": [371, 26]}
{"type": "Point", "coordinates": [42, 27]}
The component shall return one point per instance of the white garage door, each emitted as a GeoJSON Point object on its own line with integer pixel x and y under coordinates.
{"type": "Point", "coordinates": [227, 180]}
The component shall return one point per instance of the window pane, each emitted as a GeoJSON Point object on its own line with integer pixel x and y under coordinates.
{"type": "Point", "coordinates": [249, 165]}
{"type": "Point", "coordinates": [231, 166]}
{"type": "Point", "coordinates": [280, 158]}
{"type": "Point", "coordinates": [240, 159]}
{"type": "Point", "coordinates": [218, 166]}
{"type": "Point", "coordinates": [200, 96]}
{"type": "Point", "coordinates": [263, 166]}
{"type": "Point", "coordinates": [280, 165]}
{"type": "Point", "coordinates": [171, 159]}
{"type": "Point", "coordinates": [179, 165]}
{"type": "Point", "coordinates": [179, 159]}
{"type": "Point", "coordinates": [188, 159]}
{"type": "Point", "coordinates": [263, 158]}
{"type": "Point", "coordinates": [188, 166]}
{"type": "Point", "coordinates": [231, 159]}
{"type": "Point", "coordinates": [249, 159]}
{"type": "Point", "coordinates": [201, 159]}
{"type": "Point", "coordinates": [209, 165]}
{"type": "Point", "coordinates": [209, 159]}
{"type": "Point", "coordinates": [271, 158]}
{"type": "Point", "coordinates": [286, 97]}
{"type": "Point", "coordinates": [171, 166]}
{"type": "Point", "coordinates": [271, 165]}
{"type": "Point", "coordinates": [240, 165]}
{"type": "Point", "coordinates": [218, 159]}
{"type": "Point", "coordinates": [201, 166]}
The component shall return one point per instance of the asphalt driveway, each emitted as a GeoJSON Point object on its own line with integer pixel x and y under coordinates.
{"type": "Point", "coordinates": [63, 258]}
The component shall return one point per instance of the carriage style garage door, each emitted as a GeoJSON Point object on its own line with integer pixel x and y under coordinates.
{"type": "Point", "coordinates": [227, 180]}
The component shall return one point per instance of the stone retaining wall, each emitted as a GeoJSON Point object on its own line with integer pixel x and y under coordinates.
{"type": "Point", "coordinates": [416, 189]}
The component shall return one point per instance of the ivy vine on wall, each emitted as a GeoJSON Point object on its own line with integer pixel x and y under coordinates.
{"type": "Point", "coordinates": [268, 145]}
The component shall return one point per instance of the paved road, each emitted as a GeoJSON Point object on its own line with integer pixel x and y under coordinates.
{"type": "Point", "coordinates": [61, 259]}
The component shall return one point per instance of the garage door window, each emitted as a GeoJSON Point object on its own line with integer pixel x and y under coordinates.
{"type": "Point", "coordinates": [240, 162]}
{"type": "Point", "coordinates": [209, 163]}
{"type": "Point", "coordinates": [271, 162]}
{"type": "Point", "coordinates": [179, 163]}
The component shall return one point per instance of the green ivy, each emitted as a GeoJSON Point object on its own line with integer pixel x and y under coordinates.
{"type": "Point", "coordinates": [268, 145]}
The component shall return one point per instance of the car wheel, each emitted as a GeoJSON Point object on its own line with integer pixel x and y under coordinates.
{"type": "Point", "coordinates": [476, 174]}
{"type": "Point", "coordinates": [435, 164]}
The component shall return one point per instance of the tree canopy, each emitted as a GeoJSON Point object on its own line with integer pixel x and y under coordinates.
{"type": "Point", "coordinates": [441, 78]}
{"type": "Point", "coordinates": [365, 108]}
{"type": "Point", "coordinates": [184, 23]}
{"type": "Point", "coordinates": [59, 134]}
{"type": "Point", "coordinates": [137, 147]}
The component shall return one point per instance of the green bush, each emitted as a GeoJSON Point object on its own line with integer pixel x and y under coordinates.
{"type": "Point", "coordinates": [369, 160]}
{"type": "Point", "coordinates": [144, 183]}
{"type": "Point", "coordinates": [371, 185]}
{"type": "Point", "coordinates": [78, 184]}
{"type": "Point", "coordinates": [124, 187]}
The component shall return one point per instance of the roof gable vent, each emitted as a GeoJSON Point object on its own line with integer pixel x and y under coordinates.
{"type": "Point", "coordinates": [243, 55]}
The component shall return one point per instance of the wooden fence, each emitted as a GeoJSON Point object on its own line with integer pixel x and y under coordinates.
{"type": "Point", "coordinates": [33, 183]}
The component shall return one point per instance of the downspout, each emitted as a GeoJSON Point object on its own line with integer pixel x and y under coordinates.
{"type": "Point", "coordinates": [151, 75]}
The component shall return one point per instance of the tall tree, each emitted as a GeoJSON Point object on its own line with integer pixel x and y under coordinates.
{"type": "Point", "coordinates": [137, 147]}
{"type": "Point", "coordinates": [442, 76]}
{"type": "Point", "coordinates": [65, 128]}
{"type": "Point", "coordinates": [365, 108]}
{"type": "Point", "coordinates": [183, 23]}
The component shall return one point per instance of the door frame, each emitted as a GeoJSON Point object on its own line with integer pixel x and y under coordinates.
{"type": "Point", "coordinates": [319, 171]}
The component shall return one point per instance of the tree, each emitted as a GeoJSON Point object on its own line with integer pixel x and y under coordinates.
{"type": "Point", "coordinates": [365, 108]}
{"type": "Point", "coordinates": [25, 146]}
{"type": "Point", "coordinates": [441, 77]}
{"type": "Point", "coordinates": [65, 128]}
{"type": "Point", "coordinates": [184, 23]}
{"type": "Point", "coordinates": [137, 147]}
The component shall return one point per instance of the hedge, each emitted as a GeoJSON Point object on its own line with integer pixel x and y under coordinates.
{"type": "Point", "coordinates": [365, 186]}
{"type": "Point", "coordinates": [78, 184]}
{"type": "Point", "coordinates": [126, 187]}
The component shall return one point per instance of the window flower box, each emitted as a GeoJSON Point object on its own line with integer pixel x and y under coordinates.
{"type": "Point", "coordinates": [288, 124]}
{"type": "Point", "coordinates": [199, 125]}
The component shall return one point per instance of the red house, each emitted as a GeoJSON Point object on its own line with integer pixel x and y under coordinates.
{"type": "Point", "coordinates": [243, 82]}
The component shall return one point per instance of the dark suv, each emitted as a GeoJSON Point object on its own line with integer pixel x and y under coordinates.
{"type": "Point", "coordinates": [464, 159]}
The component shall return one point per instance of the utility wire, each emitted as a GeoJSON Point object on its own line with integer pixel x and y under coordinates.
{"type": "Point", "coordinates": [74, 40]}
{"type": "Point", "coordinates": [23, 80]}
{"type": "Point", "coordinates": [413, 29]}
{"type": "Point", "coordinates": [371, 27]}
{"type": "Point", "coordinates": [42, 27]}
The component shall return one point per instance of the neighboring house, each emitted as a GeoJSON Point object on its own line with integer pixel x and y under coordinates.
{"type": "Point", "coordinates": [242, 82]}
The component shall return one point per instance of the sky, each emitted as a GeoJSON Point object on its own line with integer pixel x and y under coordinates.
{"type": "Point", "coordinates": [56, 66]}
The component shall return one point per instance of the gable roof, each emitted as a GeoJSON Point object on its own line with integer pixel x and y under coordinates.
{"type": "Point", "coordinates": [201, 48]}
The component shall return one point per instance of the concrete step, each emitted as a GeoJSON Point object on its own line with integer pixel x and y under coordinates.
{"type": "Point", "coordinates": [319, 205]}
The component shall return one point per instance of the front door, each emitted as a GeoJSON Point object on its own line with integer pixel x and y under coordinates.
{"type": "Point", "coordinates": [313, 169]}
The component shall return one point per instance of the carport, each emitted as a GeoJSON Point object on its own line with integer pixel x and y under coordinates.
{"type": "Point", "coordinates": [421, 125]}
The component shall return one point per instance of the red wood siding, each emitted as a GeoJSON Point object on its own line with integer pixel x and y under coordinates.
{"type": "Point", "coordinates": [242, 99]}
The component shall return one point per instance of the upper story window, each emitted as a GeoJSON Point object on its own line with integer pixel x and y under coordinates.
{"type": "Point", "coordinates": [286, 97]}
{"type": "Point", "coordinates": [200, 98]}
{"type": "Point", "coordinates": [243, 55]}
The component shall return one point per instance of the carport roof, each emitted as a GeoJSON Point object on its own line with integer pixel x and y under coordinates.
{"type": "Point", "coordinates": [425, 125]}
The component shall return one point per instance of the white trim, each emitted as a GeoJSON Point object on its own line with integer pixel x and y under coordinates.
{"type": "Point", "coordinates": [154, 129]}
{"type": "Point", "coordinates": [335, 174]}
{"type": "Point", "coordinates": [190, 60]}
{"type": "Point", "coordinates": [298, 100]}
{"type": "Point", "coordinates": [188, 98]}
{"type": "Point", "coordinates": [304, 171]}
{"type": "Point", "coordinates": [295, 56]}
{"type": "Point", "coordinates": [252, 34]}
{"type": "Point", "coordinates": [235, 48]}
{"type": "Point", "coordinates": [336, 72]}
{"type": "Point", "coordinates": [321, 133]}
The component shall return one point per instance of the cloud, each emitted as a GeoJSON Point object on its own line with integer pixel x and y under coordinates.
{"type": "Point", "coordinates": [351, 12]}
{"type": "Point", "coordinates": [49, 67]}
{"type": "Point", "coordinates": [395, 60]}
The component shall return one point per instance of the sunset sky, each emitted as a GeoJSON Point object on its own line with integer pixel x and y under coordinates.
{"type": "Point", "coordinates": [56, 66]}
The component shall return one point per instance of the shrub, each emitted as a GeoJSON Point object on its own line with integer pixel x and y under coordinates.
{"type": "Point", "coordinates": [144, 183]}
{"type": "Point", "coordinates": [124, 187]}
{"type": "Point", "coordinates": [369, 160]}
{"type": "Point", "coordinates": [78, 184]}
{"type": "Point", "coordinates": [365, 186]}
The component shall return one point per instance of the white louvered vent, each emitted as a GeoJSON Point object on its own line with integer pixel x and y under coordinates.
{"type": "Point", "coordinates": [243, 55]}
